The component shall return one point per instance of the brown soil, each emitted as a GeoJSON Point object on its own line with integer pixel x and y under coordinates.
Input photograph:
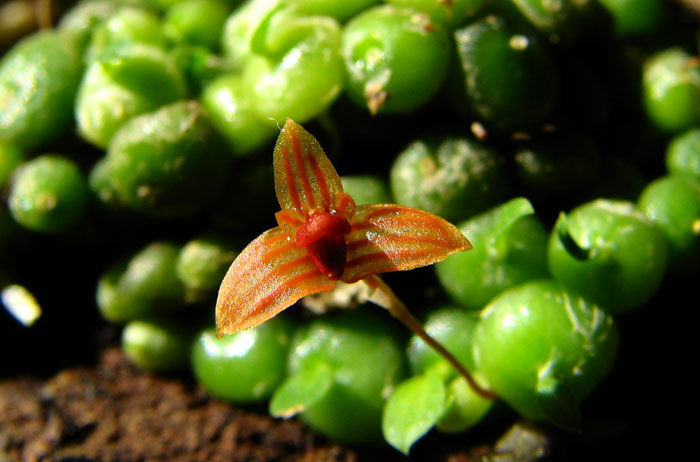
{"type": "Point", "coordinates": [115, 413]}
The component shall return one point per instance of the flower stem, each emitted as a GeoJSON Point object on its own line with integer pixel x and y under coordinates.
{"type": "Point", "coordinates": [382, 295]}
{"type": "Point", "coordinates": [44, 13]}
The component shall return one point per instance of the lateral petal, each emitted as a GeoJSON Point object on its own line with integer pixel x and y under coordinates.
{"type": "Point", "coordinates": [269, 275]}
{"type": "Point", "coordinates": [389, 237]}
{"type": "Point", "coordinates": [304, 177]}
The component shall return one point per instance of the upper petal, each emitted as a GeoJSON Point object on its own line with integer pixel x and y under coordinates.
{"type": "Point", "coordinates": [388, 237]}
{"type": "Point", "coordinates": [304, 177]}
{"type": "Point", "coordinates": [269, 275]}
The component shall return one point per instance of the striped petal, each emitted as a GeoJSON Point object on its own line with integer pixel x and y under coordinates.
{"type": "Point", "coordinates": [388, 237]}
{"type": "Point", "coordinates": [268, 276]}
{"type": "Point", "coordinates": [305, 179]}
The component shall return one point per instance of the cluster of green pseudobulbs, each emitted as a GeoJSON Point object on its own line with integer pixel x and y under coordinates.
{"type": "Point", "coordinates": [563, 142]}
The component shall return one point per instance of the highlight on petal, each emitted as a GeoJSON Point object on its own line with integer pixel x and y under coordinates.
{"type": "Point", "coordinates": [388, 237]}
{"type": "Point", "coordinates": [269, 275]}
{"type": "Point", "coordinates": [304, 177]}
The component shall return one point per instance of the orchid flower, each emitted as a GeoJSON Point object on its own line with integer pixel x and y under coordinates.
{"type": "Point", "coordinates": [322, 237]}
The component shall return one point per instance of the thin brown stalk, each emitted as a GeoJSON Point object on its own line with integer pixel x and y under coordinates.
{"type": "Point", "coordinates": [382, 295]}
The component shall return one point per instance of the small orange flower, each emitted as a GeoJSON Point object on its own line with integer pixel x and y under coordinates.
{"type": "Point", "coordinates": [322, 238]}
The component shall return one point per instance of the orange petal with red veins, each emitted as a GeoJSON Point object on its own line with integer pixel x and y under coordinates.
{"type": "Point", "coordinates": [388, 237]}
{"type": "Point", "coordinates": [304, 177]}
{"type": "Point", "coordinates": [268, 276]}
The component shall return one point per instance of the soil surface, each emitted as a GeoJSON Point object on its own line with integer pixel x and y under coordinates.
{"type": "Point", "coordinates": [114, 412]}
